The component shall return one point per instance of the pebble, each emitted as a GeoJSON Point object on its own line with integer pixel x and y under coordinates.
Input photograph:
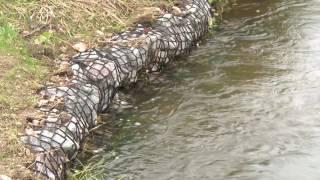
{"type": "Point", "coordinates": [52, 119]}
{"type": "Point", "coordinates": [36, 123]}
{"type": "Point", "coordinates": [176, 11]}
{"type": "Point", "coordinates": [42, 123]}
{"type": "Point", "coordinates": [80, 47]}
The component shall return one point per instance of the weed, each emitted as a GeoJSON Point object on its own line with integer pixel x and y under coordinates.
{"type": "Point", "coordinates": [94, 170]}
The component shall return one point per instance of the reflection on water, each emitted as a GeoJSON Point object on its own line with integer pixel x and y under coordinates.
{"type": "Point", "coordinates": [244, 106]}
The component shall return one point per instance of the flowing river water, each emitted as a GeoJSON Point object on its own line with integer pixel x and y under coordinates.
{"type": "Point", "coordinates": [245, 105]}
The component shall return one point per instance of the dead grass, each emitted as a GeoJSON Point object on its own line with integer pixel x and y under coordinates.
{"type": "Point", "coordinates": [56, 21]}
{"type": "Point", "coordinates": [69, 16]}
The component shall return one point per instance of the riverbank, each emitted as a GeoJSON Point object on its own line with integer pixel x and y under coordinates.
{"type": "Point", "coordinates": [33, 37]}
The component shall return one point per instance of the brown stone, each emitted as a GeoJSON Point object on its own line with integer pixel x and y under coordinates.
{"type": "Point", "coordinates": [80, 46]}
{"type": "Point", "coordinates": [176, 11]}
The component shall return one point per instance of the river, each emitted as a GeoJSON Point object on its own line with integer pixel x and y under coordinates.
{"type": "Point", "coordinates": [244, 106]}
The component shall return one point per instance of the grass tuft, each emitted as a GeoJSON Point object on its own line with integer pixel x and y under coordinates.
{"type": "Point", "coordinates": [94, 170]}
{"type": "Point", "coordinates": [8, 36]}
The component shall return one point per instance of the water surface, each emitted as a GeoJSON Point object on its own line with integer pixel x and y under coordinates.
{"type": "Point", "coordinates": [244, 105]}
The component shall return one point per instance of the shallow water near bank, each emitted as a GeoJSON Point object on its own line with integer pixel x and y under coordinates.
{"type": "Point", "coordinates": [244, 105]}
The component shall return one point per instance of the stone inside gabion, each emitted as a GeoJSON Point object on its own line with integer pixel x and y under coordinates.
{"type": "Point", "coordinates": [67, 113]}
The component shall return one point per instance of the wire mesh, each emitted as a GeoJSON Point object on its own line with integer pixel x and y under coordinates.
{"type": "Point", "coordinates": [71, 111]}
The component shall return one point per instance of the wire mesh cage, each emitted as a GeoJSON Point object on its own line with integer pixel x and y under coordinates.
{"type": "Point", "coordinates": [71, 110]}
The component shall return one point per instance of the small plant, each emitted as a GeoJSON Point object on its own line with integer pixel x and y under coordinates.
{"type": "Point", "coordinates": [8, 37]}
{"type": "Point", "coordinates": [93, 171]}
{"type": "Point", "coordinates": [44, 38]}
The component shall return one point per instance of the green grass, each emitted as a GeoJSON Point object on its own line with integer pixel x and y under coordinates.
{"type": "Point", "coordinates": [16, 62]}
{"type": "Point", "coordinates": [20, 74]}
{"type": "Point", "coordinates": [95, 170]}
{"type": "Point", "coordinates": [12, 44]}
{"type": "Point", "coordinates": [8, 36]}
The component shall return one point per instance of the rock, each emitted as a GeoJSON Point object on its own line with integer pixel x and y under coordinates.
{"type": "Point", "coordinates": [51, 119]}
{"type": "Point", "coordinates": [81, 46]}
{"type": "Point", "coordinates": [36, 123]}
{"type": "Point", "coordinates": [176, 11]}
{"type": "Point", "coordinates": [29, 131]}
{"type": "Point", "coordinates": [42, 122]}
